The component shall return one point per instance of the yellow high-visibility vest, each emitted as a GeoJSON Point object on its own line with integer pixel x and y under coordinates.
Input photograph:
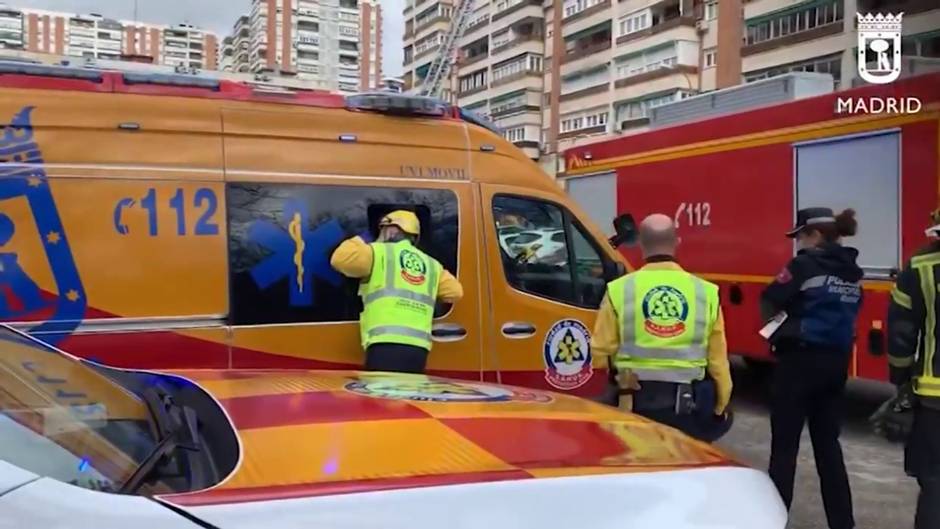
{"type": "Point", "coordinates": [399, 295]}
{"type": "Point", "coordinates": [665, 319]}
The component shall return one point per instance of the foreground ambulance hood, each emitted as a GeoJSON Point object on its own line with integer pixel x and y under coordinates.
{"type": "Point", "coordinates": [350, 449]}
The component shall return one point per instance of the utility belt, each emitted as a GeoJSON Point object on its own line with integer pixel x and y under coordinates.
{"type": "Point", "coordinates": [791, 346]}
{"type": "Point", "coordinates": [698, 397]}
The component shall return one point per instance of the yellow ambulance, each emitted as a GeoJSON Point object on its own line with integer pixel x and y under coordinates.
{"type": "Point", "coordinates": [178, 221]}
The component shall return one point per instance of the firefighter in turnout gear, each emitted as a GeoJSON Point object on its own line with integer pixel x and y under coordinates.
{"type": "Point", "coordinates": [399, 285]}
{"type": "Point", "coordinates": [915, 370]}
{"type": "Point", "coordinates": [664, 331]}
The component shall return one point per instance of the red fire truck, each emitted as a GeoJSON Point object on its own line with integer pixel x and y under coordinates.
{"type": "Point", "coordinates": [734, 182]}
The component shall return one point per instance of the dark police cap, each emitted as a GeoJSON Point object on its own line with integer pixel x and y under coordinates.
{"type": "Point", "coordinates": [809, 216]}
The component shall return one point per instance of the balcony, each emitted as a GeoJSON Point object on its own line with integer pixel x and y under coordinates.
{"type": "Point", "coordinates": [658, 73]}
{"type": "Point", "coordinates": [601, 88]}
{"type": "Point", "coordinates": [478, 23]}
{"type": "Point", "coordinates": [657, 28]}
{"type": "Point", "coordinates": [587, 46]}
{"type": "Point", "coordinates": [474, 52]}
{"type": "Point", "coordinates": [528, 29]}
{"type": "Point", "coordinates": [528, 72]}
{"type": "Point", "coordinates": [585, 13]}
{"type": "Point", "coordinates": [600, 129]}
{"type": "Point", "coordinates": [518, 6]}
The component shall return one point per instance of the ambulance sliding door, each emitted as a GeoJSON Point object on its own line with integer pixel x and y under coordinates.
{"type": "Point", "coordinates": [290, 308]}
{"type": "Point", "coordinates": [861, 172]}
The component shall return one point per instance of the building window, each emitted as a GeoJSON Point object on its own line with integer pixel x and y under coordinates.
{"type": "Point", "coordinates": [793, 21]}
{"type": "Point", "coordinates": [514, 134]}
{"type": "Point", "coordinates": [502, 5]}
{"type": "Point", "coordinates": [635, 22]}
{"type": "Point", "coordinates": [831, 64]}
{"type": "Point", "coordinates": [573, 7]}
{"type": "Point", "coordinates": [648, 61]}
{"type": "Point", "coordinates": [508, 103]}
{"type": "Point", "coordinates": [711, 57]}
{"type": "Point", "coordinates": [595, 119]}
{"type": "Point", "coordinates": [473, 81]}
{"type": "Point", "coordinates": [537, 241]}
{"type": "Point", "coordinates": [922, 45]}
{"type": "Point", "coordinates": [711, 10]}
{"type": "Point", "coordinates": [640, 108]}
{"type": "Point", "coordinates": [528, 62]}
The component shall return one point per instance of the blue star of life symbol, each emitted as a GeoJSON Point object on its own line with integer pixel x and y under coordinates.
{"type": "Point", "coordinates": [298, 254]}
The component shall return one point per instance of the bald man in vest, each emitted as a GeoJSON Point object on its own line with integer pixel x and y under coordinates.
{"type": "Point", "coordinates": [663, 330]}
{"type": "Point", "coordinates": [399, 285]}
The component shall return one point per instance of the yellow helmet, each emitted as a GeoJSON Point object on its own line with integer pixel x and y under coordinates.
{"type": "Point", "coordinates": [405, 220]}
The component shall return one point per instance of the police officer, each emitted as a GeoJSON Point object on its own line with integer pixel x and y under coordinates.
{"type": "Point", "coordinates": [399, 285]}
{"type": "Point", "coordinates": [915, 369]}
{"type": "Point", "coordinates": [664, 330]}
{"type": "Point", "coordinates": [820, 294]}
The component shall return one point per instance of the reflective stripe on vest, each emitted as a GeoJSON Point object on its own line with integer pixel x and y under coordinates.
{"type": "Point", "coordinates": [928, 384]}
{"type": "Point", "coordinates": [397, 306]}
{"type": "Point", "coordinates": [399, 330]}
{"type": "Point", "coordinates": [666, 364]}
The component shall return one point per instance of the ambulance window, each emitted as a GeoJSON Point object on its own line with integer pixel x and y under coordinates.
{"type": "Point", "coordinates": [589, 268]}
{"type": "Point", "coordinates": [538, 260]}
{"type": "Point", "coordinates": [281, 237]}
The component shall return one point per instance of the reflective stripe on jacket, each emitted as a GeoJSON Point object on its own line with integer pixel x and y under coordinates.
{"type": "Point", "coordinates": [398, 296]}
{"type": "Point", "coordinates": [665, 317]}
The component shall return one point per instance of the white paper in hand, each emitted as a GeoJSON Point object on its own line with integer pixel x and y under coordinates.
{"type": "Point", "coordinates": [771, 326]}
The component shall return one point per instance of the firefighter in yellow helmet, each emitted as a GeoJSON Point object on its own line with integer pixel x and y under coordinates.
{"type": "Point", "coordinates": [399, 285]}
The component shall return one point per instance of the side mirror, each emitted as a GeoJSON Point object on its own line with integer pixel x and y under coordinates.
{"type": "Point", "coordinates": [625, 229]}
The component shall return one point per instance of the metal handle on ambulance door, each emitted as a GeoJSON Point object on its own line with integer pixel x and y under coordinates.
{"type": "Point", "coordinates": [518, 330]}
{"type": "Point", "coordinates": [447, 332]}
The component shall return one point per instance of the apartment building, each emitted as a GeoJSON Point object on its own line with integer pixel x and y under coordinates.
{"type": "Point", "coordinates": [619, 60]}
{"type": "Point", "coordinates": [180, 45]}
{"type": "Point", "coordinates": [334, 44]}
{"type": "Point", "coordinates": [11, 28]}
{"type": "Point", "coordinates": [499, 62]}
{"type": "Point", "coordinates": [606, 63]}
{"type": "Point", "coordinates": [99, 37]}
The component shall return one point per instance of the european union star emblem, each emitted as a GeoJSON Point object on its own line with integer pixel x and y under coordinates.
{"type": "Point", "coordinates": [298, 253]}
{"type": "Point", "coordinates": [22, 176]}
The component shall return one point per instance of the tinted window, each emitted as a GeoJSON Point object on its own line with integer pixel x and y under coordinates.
{"type": "Point", "coordinates": [540, 261]}
{"type": "Point", "coordinates": [275, 227]}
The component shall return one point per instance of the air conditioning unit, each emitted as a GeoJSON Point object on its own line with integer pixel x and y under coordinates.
{"type": "Point", "coordinates": [701, 25]}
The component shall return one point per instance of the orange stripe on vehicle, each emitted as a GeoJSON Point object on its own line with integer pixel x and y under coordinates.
{"type": "Point", "coordinates": [356, 451]}
{"type": "Point", "coordinates": [836, 127]}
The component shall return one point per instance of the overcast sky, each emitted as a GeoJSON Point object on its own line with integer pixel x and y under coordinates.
{"type": "Point", "coordinates": [215, 15]}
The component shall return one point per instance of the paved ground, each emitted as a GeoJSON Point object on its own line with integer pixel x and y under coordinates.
{"type": "Point", "coordinates": [884, 497]}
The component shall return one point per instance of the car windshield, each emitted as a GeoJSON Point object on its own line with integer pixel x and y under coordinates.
{"type": "Point", "coordinates": [62, 419]}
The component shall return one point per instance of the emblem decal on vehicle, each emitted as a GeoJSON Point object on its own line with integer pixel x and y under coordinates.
{"type": "Point", "coordinates": [567, 355]}
{"type": "Point", "coordinates": [297, 253]}
{"type": "Point", "coordinates": [24, 184]}
{"type": "Point", "coordinates": [431, 389]}
{"type": "Point", "coordinates": [665, 311]}
{"type": "Point", "coordinates": [413, 267]}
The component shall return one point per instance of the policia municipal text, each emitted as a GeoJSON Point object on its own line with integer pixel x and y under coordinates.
{"type": "Point", "coordinates": [915, 369]}
{"type": "Point", "coordinates": [664, 330]}
{"type": "Point", "coordinates": [399, 285]}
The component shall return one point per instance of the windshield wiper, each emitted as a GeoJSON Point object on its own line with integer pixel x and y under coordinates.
{"type": "Point", "coordinates": [177, 430]}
